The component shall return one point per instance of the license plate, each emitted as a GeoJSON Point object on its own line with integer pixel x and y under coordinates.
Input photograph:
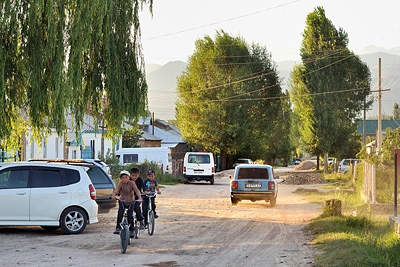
{"type": "Point", "coordinates": [252, 185]}
{"type": "Point", "coordinates": [198, 171]}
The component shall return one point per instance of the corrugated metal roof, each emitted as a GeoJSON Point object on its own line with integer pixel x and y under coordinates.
{"type": "Point", "coordinates": [371, 126]}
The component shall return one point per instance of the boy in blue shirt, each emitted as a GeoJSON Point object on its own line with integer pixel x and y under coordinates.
{"type": "Point", "coordinates": [150, 186]}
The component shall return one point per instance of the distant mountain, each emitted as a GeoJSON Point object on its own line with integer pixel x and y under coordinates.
{"type": "Point", "coordinates": [375, 49]}
{"type": "Point", "coordinates": [152, 67]}
{"type": "Point", "coordinates": [162, 81]}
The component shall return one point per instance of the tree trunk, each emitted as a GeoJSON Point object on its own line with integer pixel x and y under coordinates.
{"type": "Point", "coordinates": [325, 162]}
{"type": "Point", "coordinates": [317, 162]}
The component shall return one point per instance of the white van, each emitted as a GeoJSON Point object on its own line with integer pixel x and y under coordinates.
{"type": "Point", "coordinates": [159, 155]}
{"type": "Point", "coordinates": [198, 166]}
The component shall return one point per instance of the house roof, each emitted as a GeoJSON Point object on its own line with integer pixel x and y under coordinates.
{"type": "Point", "coordinates": [371, 126]}
{"type": "Point", "coordinates": [149, 137]}
{"type": "Point", "coordinates": [167, 137]}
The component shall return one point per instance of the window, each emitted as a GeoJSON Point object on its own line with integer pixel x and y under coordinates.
{"type": "Point", "coordinates": [253, 173]}
{"type": "Point", "coordinates": [14, 178]}
{"type": "Point", "coordinates": [97, 176]}
{"type": "Point", "coordinates": [56, 146]}
{"type": "Point", "coordinates": [46, 178]}
{"type": "Point", "coordinates": [71, 176]}
{"type": "Point", "coordinates": [201, 159]}
{"type": "Point", "coordinates": [74, 154]}
{"type": "Point", "coordinates": [130, 158]}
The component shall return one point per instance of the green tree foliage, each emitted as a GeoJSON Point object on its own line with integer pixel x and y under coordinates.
{"type": "Point", "coordinates": [230, 98]}
{"type": "Point", "coordinates": [131, 137]}
{"type": "Point", "coordinates": [329, 88]}
{"type": "Point", "coordinates": [391, 141]}
{"type": "Point", "coordinates": [59, 57]}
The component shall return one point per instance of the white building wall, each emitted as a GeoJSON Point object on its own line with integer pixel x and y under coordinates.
{"type": "Point", "coordinates": [51, 147]}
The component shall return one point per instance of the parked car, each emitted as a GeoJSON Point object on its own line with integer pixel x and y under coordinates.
{"type": "Point", "coordinates": [198, 166]}
{"type": "Point", "coordinates": [344, 165]}
{"type": "Point", "coordinates": [50, 196]}
{"type": "Point", "coordinates": [297, 161]}
{"type": "Point", "coordinates": [242, 161]}
{"type": "Point", "coordinates": [101, 181]}
{"type": "Point", "coordinates": [100, 163]}
{"type": "Point", "coordinates": [253, 182]}
{"type": "Point", "coordinates": [330, 161]}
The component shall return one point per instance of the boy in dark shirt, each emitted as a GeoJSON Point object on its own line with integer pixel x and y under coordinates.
{"type": "Point", "coordinates": [150, 186]}
{"type": "Point", "coordinates": [134, 173]}
{"type": "Point", "coordinates": [127, 190]}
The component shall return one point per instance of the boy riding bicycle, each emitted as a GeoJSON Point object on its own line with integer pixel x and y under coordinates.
{"type": "Point", "coordinates": [150, 186]}
{"type": "Point", "coordinates": [127, 190]}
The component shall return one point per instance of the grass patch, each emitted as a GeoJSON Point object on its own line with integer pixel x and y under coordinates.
{"type": "Point", "coordinates": [361, 240]}
{"type": "Point", "coordinates": [355, 241]}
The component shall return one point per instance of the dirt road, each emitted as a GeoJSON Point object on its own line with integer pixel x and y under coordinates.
{"type": "Point", "coordinates": [197, 227]}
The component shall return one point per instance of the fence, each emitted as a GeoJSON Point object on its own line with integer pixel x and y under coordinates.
{"type": "Point", "coordinates": [369, 183]}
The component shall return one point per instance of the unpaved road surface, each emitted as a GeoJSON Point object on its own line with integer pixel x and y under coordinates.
{"type": "Point", "coordinates": [197, 227]}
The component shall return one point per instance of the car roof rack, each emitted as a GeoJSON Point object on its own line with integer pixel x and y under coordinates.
{"type": "Point", "coordinates": [67, 161]}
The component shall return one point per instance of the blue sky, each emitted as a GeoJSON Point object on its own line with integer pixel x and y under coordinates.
{"type": "Point", "coordinates": [277, 24]}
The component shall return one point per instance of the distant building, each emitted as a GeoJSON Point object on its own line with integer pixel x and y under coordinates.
{"type": "Point", "coordinates": [371, 127]}
{"type": "Point", "coordinates": [87, 145]}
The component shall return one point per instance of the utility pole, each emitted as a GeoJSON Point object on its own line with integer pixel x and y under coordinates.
{"type": "Point", "coordinates": [379, 134]}
{"type": "Point", "coordinates": [365, 114]}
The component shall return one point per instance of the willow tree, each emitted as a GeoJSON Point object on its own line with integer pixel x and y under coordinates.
{"type": "Point", "coordinates": [228, 97]}
{"type": "Point", "coordinates": [69, 57]}
{"type": "Point", "coordinates": [329, 88]}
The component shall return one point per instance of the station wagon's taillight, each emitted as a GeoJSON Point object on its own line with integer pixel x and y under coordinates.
{"type": "Point", "coordinates": [234, 185]}
{"type": "Point", "coordinates": [271, 185]}
{"type": "Point", "coordinates": [92, 192]}
{"type": "Point", "coordinates": [184, 169]}
{"type": "Point", "coordinates": [212, 170]}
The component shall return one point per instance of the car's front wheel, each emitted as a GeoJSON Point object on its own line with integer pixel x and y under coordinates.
{"type": "Point", "coordinates": [73, 221]}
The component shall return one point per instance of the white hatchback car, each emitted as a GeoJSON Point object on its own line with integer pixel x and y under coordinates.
{"type": "Point", "coordinates": [50, 196]}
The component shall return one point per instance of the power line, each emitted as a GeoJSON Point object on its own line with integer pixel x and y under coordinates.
{"type": "Point", "coordinates": [281, 97]}
{"type": "Point", "coordinates": [222, 21]}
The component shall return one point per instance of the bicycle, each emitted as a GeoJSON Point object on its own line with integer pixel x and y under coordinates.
{"type": "Point", "coordinates": [150, 214]}
{"type": "Point", "coordinates": [125, 233]}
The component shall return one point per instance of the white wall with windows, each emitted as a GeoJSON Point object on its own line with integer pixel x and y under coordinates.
{"type": "Point", "coordinates": [51, 146]}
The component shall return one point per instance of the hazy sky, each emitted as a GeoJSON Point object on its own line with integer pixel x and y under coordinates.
{"type": "Point", "coordinates": [277, 24]}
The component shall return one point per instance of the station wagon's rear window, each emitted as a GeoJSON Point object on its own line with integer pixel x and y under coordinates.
{"type": "Point", "coordinates": [253, 173]}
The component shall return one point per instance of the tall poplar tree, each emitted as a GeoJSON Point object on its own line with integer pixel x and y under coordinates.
{"type": "Point", "coordinates": [69, 56]}
{"type": "Point", "coordinates": [329, 88]}
{"type": "Point", "coordinates": [229, 97]}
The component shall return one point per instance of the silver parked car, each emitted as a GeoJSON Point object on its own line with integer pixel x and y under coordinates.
{"type": "Point", "coordinates": [242, 161]}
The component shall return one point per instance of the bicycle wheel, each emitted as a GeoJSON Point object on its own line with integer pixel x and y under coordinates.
{"type": "Point", "coordinates": [150, 222]}
{"type": "Point", "coordinates": [124, 238]}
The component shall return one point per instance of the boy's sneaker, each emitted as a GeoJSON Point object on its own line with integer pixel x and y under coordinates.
{"type": "Point", "coordinates": [156, 216]}
{"type": "Point", "coordinates": [117, 230]}
{"type": "Point", "coordinates": [142, 226]}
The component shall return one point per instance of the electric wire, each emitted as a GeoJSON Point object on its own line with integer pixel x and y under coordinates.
{"type": "Point", "coordinates": [222, 21]}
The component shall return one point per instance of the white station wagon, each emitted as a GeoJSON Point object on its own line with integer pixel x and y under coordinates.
{"type": "Point", "coordinates": [46, 195]}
